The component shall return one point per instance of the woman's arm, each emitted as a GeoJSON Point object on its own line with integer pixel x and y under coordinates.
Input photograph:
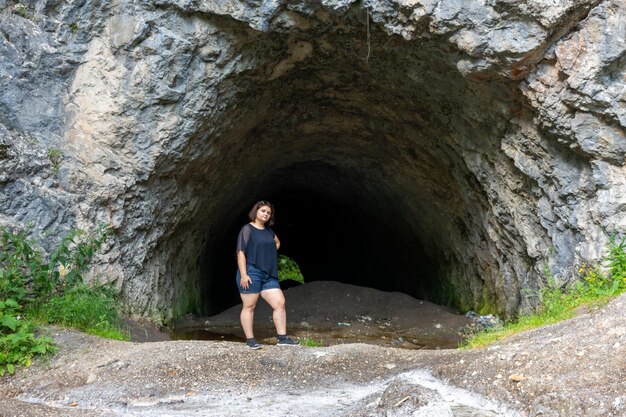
{"type": "Point", "coordinates": [277, 242]}
{"type": "Point", "coordinates": [241, 263]}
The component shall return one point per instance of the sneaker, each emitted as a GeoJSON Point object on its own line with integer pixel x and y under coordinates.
{"type": "Point", "coordinates": [253, 344]}
{"type": "Point", "coordinates": [286, 341]}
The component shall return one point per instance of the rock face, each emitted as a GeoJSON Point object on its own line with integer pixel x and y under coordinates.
{"type": "Point", "coordinates": [458, 151]}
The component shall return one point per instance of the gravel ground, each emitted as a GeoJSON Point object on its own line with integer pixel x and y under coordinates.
{"type": "Point", "coordinates": [573, 368]}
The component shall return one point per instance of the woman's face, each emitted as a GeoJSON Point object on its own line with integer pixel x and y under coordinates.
{"type": "Point", "coordinates": [263, 214]}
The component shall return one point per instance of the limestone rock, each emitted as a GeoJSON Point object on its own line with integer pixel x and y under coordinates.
{"type": "Point", "coordinates": [466, 147]}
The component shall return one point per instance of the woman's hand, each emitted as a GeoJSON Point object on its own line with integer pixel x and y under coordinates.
{"type": "Point", "coordinates": [245, 281]}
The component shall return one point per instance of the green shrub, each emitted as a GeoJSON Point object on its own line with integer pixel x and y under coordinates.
{"type": "Point", "coordinates": [26, 275]}
{"type": "Point", "coordinates": [289, 269]}
{"type": "Point", "coordinates": [73, 257]}
{"type": "Point", "coordinates": [29, 279]}
{"type": "Point", "coordinates": [22, 267]}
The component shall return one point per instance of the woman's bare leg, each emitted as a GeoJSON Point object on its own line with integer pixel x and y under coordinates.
{"type": "Point", "coordinates": [276, 300]}
{"type": "Point", "coordinates": [247, 313]}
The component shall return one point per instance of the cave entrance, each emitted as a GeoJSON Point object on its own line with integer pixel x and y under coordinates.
{"type": "Point", "coordinates": [378, 168]}
{"type": "Point", "coordinates": [368, 264]}
{"type": "Point", "coordinates": [338, 225]}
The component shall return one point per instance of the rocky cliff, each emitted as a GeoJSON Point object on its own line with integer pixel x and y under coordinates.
{"type": "Point", "coordinates": [461, 151]}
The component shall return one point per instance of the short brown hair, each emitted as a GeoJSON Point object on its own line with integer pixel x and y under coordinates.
{"type": "Point", "coordinates": [257, 206]}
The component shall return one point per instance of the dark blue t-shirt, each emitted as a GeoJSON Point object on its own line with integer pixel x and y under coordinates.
{"type": "Point", "coordinates": [259, 247]}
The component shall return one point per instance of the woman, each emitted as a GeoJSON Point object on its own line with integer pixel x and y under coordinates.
{"type": "Point", "coordinates": [257, 273]}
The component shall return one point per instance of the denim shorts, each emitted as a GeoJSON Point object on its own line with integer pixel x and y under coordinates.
{"type": "Point", "coordinates": [261, 281]}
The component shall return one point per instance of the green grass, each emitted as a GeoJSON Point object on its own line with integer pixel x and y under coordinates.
{"type": "Point", "coordinates": [523, 323]}
{"type": "Point", "coordinates": [310, 342]}
{"type": "Point", "coordinates": [595, 286]}
{"type": "Point", "coordinates": [93, 310]}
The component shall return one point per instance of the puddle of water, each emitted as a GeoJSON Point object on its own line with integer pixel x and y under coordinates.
{"type": "Point", "coordinates": [329, 337]}
{"type": "Point", "coordinates": [201, 334]}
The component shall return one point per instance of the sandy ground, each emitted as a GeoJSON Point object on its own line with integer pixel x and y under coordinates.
{"type": "Point", "coordinates": [573, 368]}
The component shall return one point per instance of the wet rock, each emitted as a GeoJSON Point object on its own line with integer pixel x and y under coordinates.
{"type": "Point", "coordinates": [484, 322]}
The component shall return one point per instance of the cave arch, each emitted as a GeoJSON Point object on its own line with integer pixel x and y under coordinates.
{"type": "Point", "coordinates": [466, 132]}
{"type": "Point", "coordinates": [387, 146]}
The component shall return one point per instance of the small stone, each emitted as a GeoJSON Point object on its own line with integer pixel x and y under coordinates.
{"type": "Point", "coordinates": [517, 377]}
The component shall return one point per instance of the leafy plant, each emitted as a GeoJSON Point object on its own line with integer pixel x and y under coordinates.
{"type": "Point", "coordinates": [22, 266]}
{"type": "Point", "coordinates": [29, 279]}
{"type": "Point", "coordinates": [27, 275]}
{"type": "Point", "coordinates": [617, 262]}
{"type": "Point", "coordinates": [18, 343]}
{"type": "Point", "coordinates": [71, 259]}
{"type": "Point", "coordinates": [55, 157]}
{"type": "Point", "coordinates": [289, 269]}
{"type": "Point", "coordinates": [310, 342]}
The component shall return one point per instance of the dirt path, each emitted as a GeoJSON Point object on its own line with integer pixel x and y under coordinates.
{"type": "Point", "coordinates": [574, 368]}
